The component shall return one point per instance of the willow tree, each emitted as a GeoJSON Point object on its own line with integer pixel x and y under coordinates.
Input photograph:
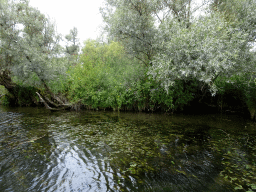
{"type": "Point", "coordinates": [137, 23]}
{"type": "Point", "coordinates": [28, 44]}
{"type": "Point", "coordinates": [238, 13]}
{"type": "Point", "coordinates": [206, 50]}
{"type": "Point", "coordinates": [217, 43]}
{"type": "Point", "coordinates": [131, 22]}
{"type": "Point", "coordinates": [179, 46]}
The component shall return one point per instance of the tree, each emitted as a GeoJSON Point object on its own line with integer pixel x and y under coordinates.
{"type": "Point", "coordinates": [241, 17]}
{"type": "Point", "coordinates": [179, 46]}
{"type": "Point", "coordinates": [137, 23]}
{"type": "Point", "coordinates": [239, 13]}
{"type": "Point", "coordinates": [72, 47]}
{"type": "Point", "coordinates": [131, 22]}
{"type": "Point", "coordinates": [210, 47]}
{"type": "Point", "coordinates": [28, 44]}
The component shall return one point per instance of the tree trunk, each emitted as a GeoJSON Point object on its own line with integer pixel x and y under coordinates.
{"type": "Point", "coordinates": [50, 108]}
{"type": "Point", "coordinates": [27, 96]}
{"type": "Point", "coordinates": [6, 81]}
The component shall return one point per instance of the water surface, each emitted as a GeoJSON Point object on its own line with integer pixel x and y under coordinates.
{"type": "Point", "coordinates": [110, 151]}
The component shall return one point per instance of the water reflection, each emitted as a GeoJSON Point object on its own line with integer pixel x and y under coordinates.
{"type": "Point", "coordinates": [104, 151]}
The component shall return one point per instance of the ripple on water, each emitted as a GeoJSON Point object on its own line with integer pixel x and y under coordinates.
{"type": "Point", "coordinates": [66, 151]}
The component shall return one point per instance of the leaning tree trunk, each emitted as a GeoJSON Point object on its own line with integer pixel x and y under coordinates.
{"type": "Point", "coordinates": [46, 104]}
{"type": "Point", "coordinates": [18, 95]}
{"type": "Point", "coordinates": [51, 101]}
{"type": "Point", "coordinates": [27, 96]}
{"type": "Point", "coordinates": [6, 81]}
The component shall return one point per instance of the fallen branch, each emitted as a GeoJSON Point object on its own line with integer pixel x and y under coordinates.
{"type": "Point", "coordinates": [50, 108]}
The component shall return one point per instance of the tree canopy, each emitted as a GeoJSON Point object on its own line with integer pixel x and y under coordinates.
{"type": "Point", "coordinates": [176, 44]}
{"type": "Point", "coordinates": [160, 54]}
{"type": "Point", "coordinates": [28, 43]}
{"type": "Point", "coordinates": [72, 47]}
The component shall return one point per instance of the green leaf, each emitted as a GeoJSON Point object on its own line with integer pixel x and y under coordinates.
{"type": "Point", "coordinates": [253, 186]}
{"type": "Point", "coordinates": [238, 187]}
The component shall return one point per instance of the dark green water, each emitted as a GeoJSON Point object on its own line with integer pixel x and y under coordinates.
{"type": "Point", "coordinates": [108, 151]}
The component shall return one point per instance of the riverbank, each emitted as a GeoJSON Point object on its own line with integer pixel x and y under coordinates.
{"type": "Point", "coordinates": [147, 96]}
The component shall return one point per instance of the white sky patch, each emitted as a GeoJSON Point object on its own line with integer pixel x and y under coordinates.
{"type": "Point", "coordinates": [82, 14]}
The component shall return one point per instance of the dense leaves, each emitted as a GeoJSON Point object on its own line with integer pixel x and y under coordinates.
{"type": "Point", "coordinates": [28, 43]}
{"type": "Point", "coordinates": [207, 49]}
{"type": "Point", "coordinates": [180, 46]}
{"type": "Point", "coordinates": [104, 75]}
{"type": "Point", "coordinates": [159, 55]}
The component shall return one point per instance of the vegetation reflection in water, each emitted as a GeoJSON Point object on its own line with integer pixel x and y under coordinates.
{"type": "Point", "coordinates": [103, 151]}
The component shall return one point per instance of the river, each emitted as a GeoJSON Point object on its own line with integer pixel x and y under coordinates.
{"type": "Point", "coordinates": [112, 151]}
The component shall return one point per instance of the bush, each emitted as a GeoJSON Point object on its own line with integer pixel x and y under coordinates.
{"type": "Point", "coordinates": [103, 77]}
{"type": "Point", "coordinates": [21, 96]}
{"type": "Point", "coordinates": [107, 78]}
{"type": "Point", "coordinates": [237, 92]}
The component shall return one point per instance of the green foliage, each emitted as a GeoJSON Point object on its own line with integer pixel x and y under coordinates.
{"type": "Point", "coordinates": [184, 92]}
{"type": "Point", "coordinates": [103, 76]}
{"type": "Point", "coordinates": [72, 47]}
{"type": "Point", "coordinates": [158, 62]}
{"type": "Point", "coordinates": [28, 43]}
{"type": "Point", "coordinates": [205, 50]}
{"type": "Point", "coordinates": [23, 96]}
{"type": "Point", "coordinates": [107, 78]}
{"type": "Point", "coordinates": [174, 45]}
{"type": "Point", "coordinates": [131, 23]}
{"type": "Point", "coordinates": [239, 14]}
{"type": "Point", "coordinates": [71, 38]}
{"type": "Point", "coordinates": [176, 98]}
{"type": "Point", "coordinates": [136, 23]}
{"type": "Point", "coordinates": [3, 91]}
{"type": "Point", "coordinates": [3, 96]}
{"type": "Point", "coordinates": [4, 100]}
{"type": "Point", "coordinates": [237, 91]}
